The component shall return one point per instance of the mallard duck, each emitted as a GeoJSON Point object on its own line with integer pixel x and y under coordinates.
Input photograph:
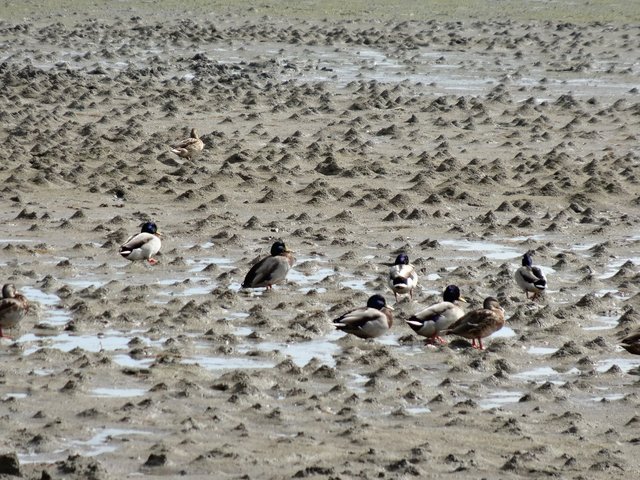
{"type": "Point", "coordinates": [530, 278]}
{"type": "Point", "coordinates": [272, 269]}
{"type": "Point", "coordinates": [13, 307]}
{"type": "Point", "coordinates": [631, 343]}
{"type": "Point", "coordinates": [432, 320]}
{"type": "Point", "coordinates": [189, 148]}
{"type": "Point", "coordinates": [367, 322]}
{"type": "Point", "coordinates": [143, 245]}
{"type": "Point", "coordinates": [402, 277]}
{"type": "Point", "coordinates": [478, 324]}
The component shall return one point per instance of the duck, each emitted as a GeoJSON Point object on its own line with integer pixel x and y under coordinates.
{"type": "Point", "coordinates": [272, 269]}
{"type": "Point", "coordinates": [631, 343]}
{"type": "Point", "coordinates": [530, 278]}
{"type": "Point", "coordinates": [190, 147]}
{"type": "Point", "coordinates": [478, 324]}
{"type": "Point", "coordinates": [439, 316]}
{"type": "Point", "coordinates": [13, 307]}
{"type": "Point", "coordinates": [367, 322]}
{"type": "Point", "coordinates": [143, 245]}
{"type": "Point", "coordinates": [402, 277]}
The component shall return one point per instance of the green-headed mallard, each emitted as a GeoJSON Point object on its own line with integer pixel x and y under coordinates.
{"type": "Point", "coordinates": [478, 324]}
{"type": "Point", "coordinates": [402, 277]}
{"type": "Point", "coordinates": [13, 307]}
{"type": "Point", "coordinates": [272, 269]}
{"type": "Point", "coordinates": [190, 147]}
{"type": "Point", "coordinates": [367, 322]}
{"type": "Point", "coordinates": [436, 318]}
{"type": "Point", "coordinates": [631, 343]}
{"type": "Point", "coordinates": [143, 245]}
{"type": "Point", "coordinates": [530, 278]}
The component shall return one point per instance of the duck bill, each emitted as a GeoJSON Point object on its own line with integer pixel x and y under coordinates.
{"type": "Point", "coordinates": [158, 234]}
{"type": "Point", "coordinates": [389, 307]}
{"type": "Point", "coordinates": [462, 300]}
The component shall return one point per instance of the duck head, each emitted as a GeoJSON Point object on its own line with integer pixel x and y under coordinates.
{"type": "Point", "coordinates": [9, 290]}
{"type": "Point", "coordinates": [402, 259]}
{"type": "Point", "coordinates": [378, 302]}
{"type": "Point", "coordinates": [279, 248]}
{"type": "Point", "coordinates": [150, 227]}
{"type": "Point", "coordinates": [451, 294]}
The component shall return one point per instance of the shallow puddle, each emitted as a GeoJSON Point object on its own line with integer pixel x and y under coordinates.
{"type": "Point", "coordinates": [52, 311]}
{"type": "Point", "coordinates": [227, 363]}
{"type": "Point", "coordinates": [99, 444]}
{"type": "Point", "coordinates": [112, 392]}
{"type": "Point", "coordinates": [500, 398]}
{"type": "Point", "coordinates": [110, 340]}
{"type": "Point", "coordinates": [478, 248]}
{"type": "Point", "coordinates": [301, 353]}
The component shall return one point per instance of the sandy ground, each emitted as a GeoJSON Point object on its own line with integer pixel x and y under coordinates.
{"type": "Point", "coordinates": [463, 140]}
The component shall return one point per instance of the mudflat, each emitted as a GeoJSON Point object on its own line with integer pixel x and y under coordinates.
{"type": "Point", "coordinates": [463, 136]}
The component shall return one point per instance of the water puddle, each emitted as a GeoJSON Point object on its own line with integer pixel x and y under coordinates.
{"type": "Point", "coordinates": [541, 350]}
{"type": "Point", "coordinates": [542, 374]}
{"type": "Point", "coordinates": [493, 251]}
{"type": "Point", "coordinates": [504, 332]}
{"type": "Point", "coordinates": [625, 364]}
{"type": "Point", "coordinates": [500, 398]}
{"type": "Point", "coordinates": [603, 322]}
{"type": "Point", "coordinates": [197, 265]}
{"type": "Point", "coordinates": [54, 313]}
{"type": "Point", "coordinates": [356, 383]}
{"type": "Point", "coordinates": [417, 410]}
{"type": "Point", "coordinates": [110, 392]}
{"type": "Point", "coordinates": [301, 353]}
{"type": "Point", "coordinates": [99, 444]}
{"type": "Point", "coordinates": [228, 363]}
{"type": "Point", "coordinates": [15, 395]}
{"type": "Point", "coordinates": [111, 340]}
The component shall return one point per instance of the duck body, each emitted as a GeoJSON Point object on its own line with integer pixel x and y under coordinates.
{"type": "Point", "coordinates": [631, 343]}
{"type": "Point", "coordinates": [402, 277]}
{"type": "Point", "coordinates": [367, 322]}
{"type": "Point", "coordinates": [143, 245]}
{"type": "Point", "coordinates": [190, 147]}
{"type": "Point", "coordinates": [13, 308]}
{"type": "Point", "coordinates": [270, 270]}
{"type": "Point", "coordinates": [439, 316]}
{"type": "Point", "coordinates": [530, 278]}
{"type": "Point", "coordinates": [478, 324]}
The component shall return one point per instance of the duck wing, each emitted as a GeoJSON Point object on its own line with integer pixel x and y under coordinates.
{"type": "Point", "coordinates": [135, 242]}
{"type": "Point", "coordinates": [267, 271]}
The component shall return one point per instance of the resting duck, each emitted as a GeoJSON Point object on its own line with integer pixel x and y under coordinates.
{"type": "Point", "coordinates": [189, 148]}
{"type": "Point", "coordinates": [530, 278]}
{"type": "Point", "coordinates": [143, 245]}
{"type": "Point", "coordinates": [13, 307]}
{"type": "Point", "coordinates": [432, 320]}
{"type": "Point", "coordinates": [631, 343]}
{"type": "Point", "coordinates": [478, 324]}
{"type": "Point", "coordinates": [402, 277]}
{"type": "Point", "coordinates": [272, 269]}
{"type": "Point", "coordinates": [367, 322]}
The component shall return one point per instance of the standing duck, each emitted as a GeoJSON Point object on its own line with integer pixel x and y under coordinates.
{"type": "Point", "coordinates": [436, 318]}
{"type": "Point", "coordinates": [478, 324]}
{"type": "Point", "coordinates": [367, 322]}
{"type": "Point", "coordinates": [272, 269]}
{"type": "Point", "coordinates": [530, 278]}
{"type": "Point", "coordinates": [402, 277]}
{"type": "Point", "coordinates": [143, 245]}
{"type": "Point", "coordinates": [13, 307]}
{"type": "Point", "coordinates": [190, 147]}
